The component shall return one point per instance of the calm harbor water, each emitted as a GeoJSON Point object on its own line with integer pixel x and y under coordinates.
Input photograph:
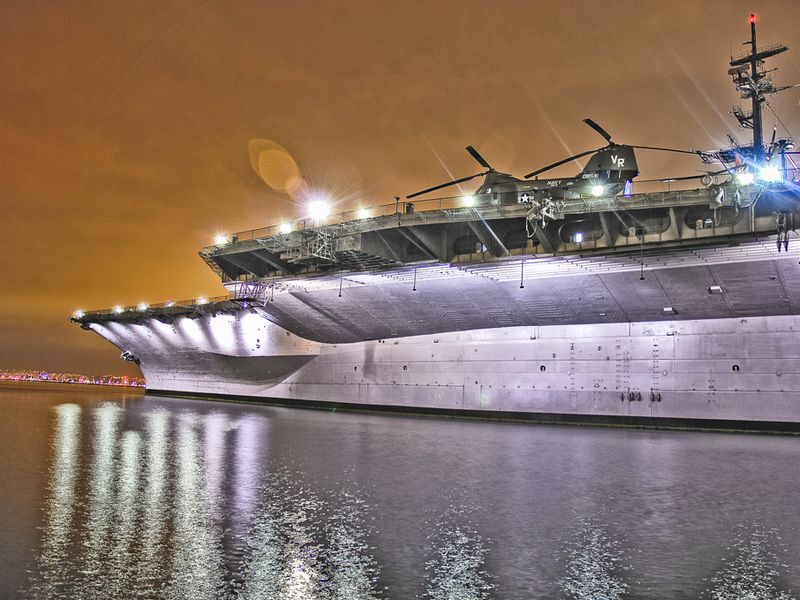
{"type": "Point", "coordinates": [113, 494]}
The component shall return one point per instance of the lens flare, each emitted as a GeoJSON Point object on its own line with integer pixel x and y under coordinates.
{"type": "Point", "coordinates": [275, 166]}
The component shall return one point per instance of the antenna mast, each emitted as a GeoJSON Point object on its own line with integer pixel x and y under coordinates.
{"type": "Point", "coordinates": [754, 84]}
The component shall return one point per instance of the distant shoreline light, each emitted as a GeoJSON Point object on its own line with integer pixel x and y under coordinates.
{"type": "Point", "coordinates": [72, 378]}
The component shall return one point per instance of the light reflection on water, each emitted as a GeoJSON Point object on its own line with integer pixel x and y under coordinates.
{"type": "Point", "coordinates": [184, 504]}
{"type": "Point", "coordinates": [100, 501]}
{"type": "Point", "coordinates": [196, 540]}
{"type": "Point", "coordinates": [752, 567]}
{"type": "Point", "coordinates": [594, 564]}
{"type": "Point", "coordinates": [154, 503]}
{"type": "Point", "coordinates": [456, 566]}
{"type": "Point", "coordinates": [60, 507]}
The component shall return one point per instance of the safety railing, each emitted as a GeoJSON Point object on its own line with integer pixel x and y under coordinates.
{"type": "Point", "coordinates": [399, 207]}
{"type": "Point", "coordinates": [144, 308]}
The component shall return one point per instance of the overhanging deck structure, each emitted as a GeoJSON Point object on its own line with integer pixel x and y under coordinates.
{"type": "Point", "coordinates": [447, 232]}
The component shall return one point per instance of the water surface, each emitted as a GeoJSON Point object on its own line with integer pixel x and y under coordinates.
{"type": "Point", "coordinates": [112, 494]}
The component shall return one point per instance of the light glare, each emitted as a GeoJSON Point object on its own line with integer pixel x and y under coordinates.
{"type": "Point", "coordinates": [143, 306]}
{"type": "Point", "coordinates": [744, 178]}
{"type": "Point", "coordinates": [220, 239]}
{"type": "Point", "coordinates": [318, 209]}
{"type": "Point", "coordinates": [469, 200]}
{"type": "Point", "coordinates": [363, 213]}
{"type": "Point", "coordinates": [285, 228]}
{"type": "Point", "coordinates": [118, 310]}
{"type": "Point", "coordinates": [78, 314]}
{"type": "Point", "coordinates": [770, 174]}
{"type": "Point", "coordinates": [579, 238]}
{"type": "Point", "coordinates": [202, 301]}
{"type": "Point", "coordinates": [598, 190]}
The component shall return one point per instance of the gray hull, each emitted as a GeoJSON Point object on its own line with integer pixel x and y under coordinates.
{"type": "Point", "coordinates": [740, 373]}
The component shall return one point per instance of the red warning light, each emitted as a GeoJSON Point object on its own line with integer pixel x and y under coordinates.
{"type": "Point", "coordinates": [752, 19]}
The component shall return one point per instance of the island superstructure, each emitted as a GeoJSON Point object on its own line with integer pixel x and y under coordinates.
{"type": "Point", "coordinates": [577, 300]}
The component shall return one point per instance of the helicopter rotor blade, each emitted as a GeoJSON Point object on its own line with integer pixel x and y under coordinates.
{"type": "Point", "coordinates": [477, 156]}
{"type": "Point", "coordinates": [561, 162]}
{"type": "Point", "coordinates": [444, 185]}
{"type": "Point", "coordinates": [599, 129]}
{"type": "Point", "coordinates": [660, 149]}
{"type": "Point", "coordinates": [686, 178]}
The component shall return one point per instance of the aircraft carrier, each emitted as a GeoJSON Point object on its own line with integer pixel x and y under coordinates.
{"type": "Point", "coordinates": [580, 300]}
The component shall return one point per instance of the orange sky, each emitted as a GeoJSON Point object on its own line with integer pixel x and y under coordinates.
{"type": "Point", "coordinates": [124, 126]}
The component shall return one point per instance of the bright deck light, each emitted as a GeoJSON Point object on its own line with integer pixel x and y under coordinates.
{"type": "Point", "coordinates": [363, 213]}
{"type": "Point", "coordinates": [469, 200]}
{"type": "Point", "coordinates": [78, 314]}
{"type": "Point", "coordinates": [744, 178]}
{"type": "Point", "coordinates": [118, 310]}
{"type": "Point", "coordinates": [220, 239]}
{"type": "Point", "coordinates": [579, 238]}
{"type": "Point", "coordinates": [285, 228]}
{"type": "Point", "coordinates": [202, 301]}
{"type": "Point", "coordinates": [143, 306]}
{"type": "Point", "coordinates": [597, 190]}
{"type": "Point", "coordinates": [318, 209]}
{"type": "Point", "coordinates": [169, 304]}
{"type": "Point", "coordinates": [770, 174]}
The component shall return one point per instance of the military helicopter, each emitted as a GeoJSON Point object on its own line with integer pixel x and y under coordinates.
{"type": "Point", "coordinates": [610, 170]}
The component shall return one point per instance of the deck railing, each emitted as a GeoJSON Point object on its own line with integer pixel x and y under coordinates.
{"type": "Point", "coordinates": [401, 206]}
{"type": "Point", "coordinates": [145, 308]}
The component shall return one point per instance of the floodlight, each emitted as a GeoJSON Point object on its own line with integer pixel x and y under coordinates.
{"type": "Point", "coordinates": [318, 209]}
{"type": "Point", "coordinates": [770, 174]}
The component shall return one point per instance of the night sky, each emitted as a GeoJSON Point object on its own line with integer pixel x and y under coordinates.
{"type": "Point", "coordinates": [127, 128]}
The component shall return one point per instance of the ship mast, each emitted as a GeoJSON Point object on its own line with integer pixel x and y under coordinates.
{"type": "Point", "coordinates": [754, 84]}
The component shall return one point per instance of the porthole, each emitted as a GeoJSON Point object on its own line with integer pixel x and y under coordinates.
{"type": "Point", "coordinates": [542, 368]}
{"type": "Point", "coordinates": [735, 368]}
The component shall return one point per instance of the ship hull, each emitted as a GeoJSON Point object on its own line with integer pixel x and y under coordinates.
{"type": "Point", "coordinates": [727, 373]}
